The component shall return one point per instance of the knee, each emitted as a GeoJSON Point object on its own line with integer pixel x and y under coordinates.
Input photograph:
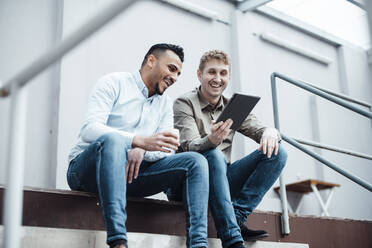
{"type": "Point", "coordinates": [216, 160]}
{"type": "Point", "coordinates": [113, 149]}
{"type": "Point", "coordinates": [214, 154]}
{"type": "Point", "coordinates": [196, 162]}
{"type": "Point", "coordinates": [281, 156]}
{"type": "Point", "coordinates": [114, 141]}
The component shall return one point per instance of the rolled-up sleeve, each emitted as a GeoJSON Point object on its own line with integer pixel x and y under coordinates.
{"type": "Point", "coordinates": [185, 122]}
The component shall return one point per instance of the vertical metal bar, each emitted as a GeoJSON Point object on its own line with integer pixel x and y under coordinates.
{"type": "Point", "coordinates": [14, 191]}
{"type": "Point", "coordinates": [235, 85]}
{"type": "Point", "coordinates": [283, 192]}
{"type": "Point", "coordinates": [56, 92]}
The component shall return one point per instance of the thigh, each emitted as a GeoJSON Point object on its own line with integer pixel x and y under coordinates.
{"type": "Point", "coordinates": [239, 171]}
{"type": "Point", "coordinates": [81, 174]}
{"type": "Point", "coordinates": [163, 174]}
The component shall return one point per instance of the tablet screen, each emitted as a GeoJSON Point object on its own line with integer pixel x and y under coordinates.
{"type": "Point", "coordinates": [237, 109]}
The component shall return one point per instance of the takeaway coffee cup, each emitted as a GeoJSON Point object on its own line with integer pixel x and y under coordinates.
{"type": "Point", "coordinates": [176, 133]}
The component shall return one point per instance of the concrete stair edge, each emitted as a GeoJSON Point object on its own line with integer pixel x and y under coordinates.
{"type": "Point", "coordinates": [42, 237]}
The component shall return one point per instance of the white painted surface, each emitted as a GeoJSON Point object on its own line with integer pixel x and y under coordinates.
{"type": "Point", "coordinates": [121, 46]}
{"type": "Point", "coordinates": [36, 237]}
{"type": "Point", "coordinates": [28, 29]}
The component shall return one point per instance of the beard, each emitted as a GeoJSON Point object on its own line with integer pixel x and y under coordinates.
{"type": "Point", "coordinates": [157, 89]}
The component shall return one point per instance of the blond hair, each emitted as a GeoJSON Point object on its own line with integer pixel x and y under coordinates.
{"type": "Point", "coordinates": [214, 54]}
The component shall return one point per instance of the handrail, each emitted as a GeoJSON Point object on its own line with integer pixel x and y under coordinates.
{"type": "Point", "coordinates": [325, 95]}
{"type": "Point", "coordinates": [332, 148]}
{"type": "Point", "coordinates": [12, 214]}
{"type": "Point", "coordinates": [342, 96]}
{"type": "Point", "coordinates": [343, 172]}
{"type": "Point", "coordinates": [331, 97]}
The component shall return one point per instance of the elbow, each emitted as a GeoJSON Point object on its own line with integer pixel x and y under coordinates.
{"type": "Point", "coordinates": [86, 133]}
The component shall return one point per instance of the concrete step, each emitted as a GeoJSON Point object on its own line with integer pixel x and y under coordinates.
{"type": "Point", "coordinates": [40, 237]}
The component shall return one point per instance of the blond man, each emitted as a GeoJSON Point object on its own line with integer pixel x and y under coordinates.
{"type": "Point", "coordinates": [236, 188]}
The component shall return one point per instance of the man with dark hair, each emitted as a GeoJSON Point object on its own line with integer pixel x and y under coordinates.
{"type": "Point", "coordinates": [157, 49]}
{"type": "Point", "coordinates": [127, 142]}
{"type": "Point", "coordinates": [235, 188]}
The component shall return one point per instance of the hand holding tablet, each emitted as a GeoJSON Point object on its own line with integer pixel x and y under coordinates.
{"type": "Point", "coordinates": [219, 131]}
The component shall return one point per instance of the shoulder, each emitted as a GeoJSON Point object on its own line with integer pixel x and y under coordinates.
{"type": "Point", "coordinates": [114, 79]}
{"type": "Point", "coordinates": [112, 85]}
{"type": "Point", "coordinates": [116, 76]}
{"type": "Point", "coordinates": [188, 97]}
{"type": "Point", "coordinates": [186, 102]}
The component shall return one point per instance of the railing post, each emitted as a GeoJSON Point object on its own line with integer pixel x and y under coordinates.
{"type": "Point", "coordinates": [13, 203]}
{"type": "Point", "coordinates": [283, 192]}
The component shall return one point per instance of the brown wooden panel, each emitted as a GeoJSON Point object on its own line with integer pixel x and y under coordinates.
{"type": "Point", "coordinates": [67, 209]}
{"type": "Point", "coordinates": [305, 186]}
{"type": "Point", "coordinates": [79, 210]}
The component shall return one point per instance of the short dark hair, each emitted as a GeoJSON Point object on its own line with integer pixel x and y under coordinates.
{"type": "Point", "coordinates": [157, 49]}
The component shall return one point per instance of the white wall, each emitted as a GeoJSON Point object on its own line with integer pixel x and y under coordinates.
{"type": "Point", "coordinates": [347, 129]}
{"type": "Point", "coordinates": [28, 29]}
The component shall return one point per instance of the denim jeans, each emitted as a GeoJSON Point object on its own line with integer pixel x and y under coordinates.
{"type": "Point", "coordinates": [237, 189]}
{"type": "Point", "coordinates": [101, 169]}
{"type": "Point", "coordinates": [251, 177]}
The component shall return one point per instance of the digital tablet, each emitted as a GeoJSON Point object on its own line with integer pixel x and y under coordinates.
{"type": "Point", "coordinates": [237, 109]}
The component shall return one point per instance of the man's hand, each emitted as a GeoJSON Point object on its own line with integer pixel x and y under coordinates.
{"type": "Point", "coordinates": [157, 142]}
{"type": "Point", "coordinates": [220, 131]}
{"type": "Point", "coordinates": [135, 157]}
{"type": "Point", "coordinates": [269, 142]}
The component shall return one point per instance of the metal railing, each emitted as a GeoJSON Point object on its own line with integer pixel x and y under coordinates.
{"type": "Point", "coordinates": [331, 96]}
{"type": "Point", "coordinates": [12, 215]}
{"type": "Point", "coordinates": [332, 148]}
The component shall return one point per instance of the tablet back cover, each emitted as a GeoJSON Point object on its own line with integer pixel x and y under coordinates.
{"type": "Point", "coordinates": [238, 109]}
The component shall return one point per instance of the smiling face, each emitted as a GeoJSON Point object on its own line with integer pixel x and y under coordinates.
{"type": "Point", "coordinates": [164, 71]}
{"type": "Point", "coordinates": [214, 79]}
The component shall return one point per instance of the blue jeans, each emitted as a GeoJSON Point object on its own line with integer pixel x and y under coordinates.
{"type": "Point", "coordinates": [251, 177]}
{"type": "Point", "coordinates": [237, 189]}
{"type": "Point", "coordinates": [101, 169]}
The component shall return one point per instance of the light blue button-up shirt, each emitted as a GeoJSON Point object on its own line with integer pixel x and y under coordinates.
{"type": "Point", "coordinates": [119, 103]}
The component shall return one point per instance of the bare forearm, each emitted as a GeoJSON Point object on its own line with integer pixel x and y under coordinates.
{"type": "Point", "coordinates": [139, 141]}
